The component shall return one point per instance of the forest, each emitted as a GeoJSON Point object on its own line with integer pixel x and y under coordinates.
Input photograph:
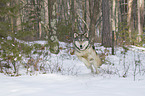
{"type": "Point", "coordinates": [111, 23]}
{"type": "Point", "coordinates": [37, 54]}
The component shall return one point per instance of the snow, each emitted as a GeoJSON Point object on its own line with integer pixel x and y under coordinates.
{"type": "Point", "coordinates": [78, 81]}
{"type": "Point", "coordinates": [138, 48]}
{"type": "Point", "coordinates": [62, 85]}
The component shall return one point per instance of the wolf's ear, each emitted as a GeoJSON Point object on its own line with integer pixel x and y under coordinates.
{"type": "Point", "coordinates": [86, 34]}
{"type": "Point", "coordinates": [75, 35]}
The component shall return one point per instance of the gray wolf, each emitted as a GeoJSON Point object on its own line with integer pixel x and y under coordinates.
{"type": "Point", "coordinates": [85, 52]}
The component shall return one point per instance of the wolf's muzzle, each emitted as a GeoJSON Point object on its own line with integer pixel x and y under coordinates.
{"type": "Point", "coordinates": [81, 46]}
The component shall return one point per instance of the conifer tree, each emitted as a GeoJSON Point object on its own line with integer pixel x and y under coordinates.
{"type": "Point", "coordinates": [11, 49]}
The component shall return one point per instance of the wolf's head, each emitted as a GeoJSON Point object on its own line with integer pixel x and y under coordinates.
{"type": "Point", "coordinates": [81, 41]}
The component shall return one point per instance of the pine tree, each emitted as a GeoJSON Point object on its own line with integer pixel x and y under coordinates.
{"type": "Point", "coordinates": [11, 50]}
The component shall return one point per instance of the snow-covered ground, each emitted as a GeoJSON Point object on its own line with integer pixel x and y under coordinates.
{"type": "Point", "coordinates": [62, 85]}
{"type": "Point", "coordinates": [122, 75]}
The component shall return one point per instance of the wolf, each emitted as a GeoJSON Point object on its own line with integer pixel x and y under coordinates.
{"type": "Point", "coordinates": [85, 52]}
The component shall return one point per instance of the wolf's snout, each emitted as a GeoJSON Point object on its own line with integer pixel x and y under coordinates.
{"type": "Point", "coordinates": [81, 46]}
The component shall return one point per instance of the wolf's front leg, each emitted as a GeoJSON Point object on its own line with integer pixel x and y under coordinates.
{"type": "Point", "coordinates": [93, 62]}
{"type": "Point", "coordinates": [87, 63]}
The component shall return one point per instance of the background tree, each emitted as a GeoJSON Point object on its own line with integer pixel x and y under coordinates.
{"type": "Point", "coordinates": [11, 50]}
{"type": "Point", "coordinates": [94, 9]}
{"type": "Point", "coordinates": [130, 18]}
{"type": "Point", "coordinates": [140, 5]}
{"type": "Point", "coordinates": [53, 41]}
{"type": "Point", "coordinates": [106, 28]}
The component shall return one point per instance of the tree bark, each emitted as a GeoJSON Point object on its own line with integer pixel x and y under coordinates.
{"type": "Point", "coordinates": [94, 8]}
{"type": "Point", "coordinates": [113, 15]}
{"type": "Point", "coordinates": [72, 18]}
{"type": "Point", "coordinates": [130, 19]}
{"type": "Point", "coordinates": [53, 41]}
{"type": "Point", "coordinates": [140, 19]}
{"type": "Point", "coordinates": [106, 32]}
{"type": "Point", "coordinates": [46, 15]}
{"type": "Point", "coordinates": [18, 20]}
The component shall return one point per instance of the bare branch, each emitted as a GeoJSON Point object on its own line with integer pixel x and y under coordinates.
{"type": "Point", "coordinates": [83, 21]}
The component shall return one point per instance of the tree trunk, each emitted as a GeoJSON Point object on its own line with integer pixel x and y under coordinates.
{"type": "Point", "coordinates": [18, 20]}
{"type": "Point", "coordinates": [40, 31]}
{"type": "Point", "coordinates": [129, 18]}
{"type": "Point", "coordinates": [72, 18]}
{"type": "Point", "coordinates": [46, 15]}
{"type": "Point", "coordinates": [113, 15]}
{"type": "Point", "coordinates": [94, 14]}
{"type": "Point", "coordinates": [12, 18]}
{"type": "Point", "coordinates": [106, 32]}
{"type": "Point", "coordinates": [140, 19]}
{"type": "Point", "coordinates": [50, 15]}
{"type": "Point", "coordinates": [53, 41]}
